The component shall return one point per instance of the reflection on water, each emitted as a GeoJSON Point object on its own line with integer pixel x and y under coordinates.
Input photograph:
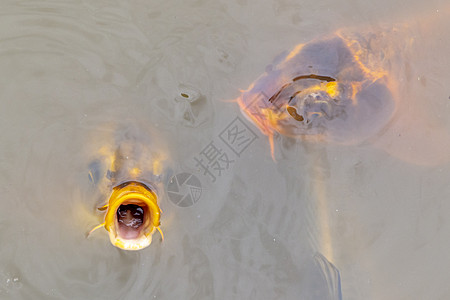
{"type": "Point", "coordinates": [364, 215]}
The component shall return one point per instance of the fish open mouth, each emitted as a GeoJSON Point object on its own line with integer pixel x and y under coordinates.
{"type": "Point", "coordinates": [133, 215]}
{"type": "Point", "coordinates": [131, 218]}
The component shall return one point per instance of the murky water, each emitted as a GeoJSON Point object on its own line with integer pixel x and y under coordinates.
{"type": "Point", "coordinates": [326, 220]}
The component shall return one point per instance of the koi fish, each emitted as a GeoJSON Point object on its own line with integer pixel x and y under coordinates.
{"type": "Point", "coordinates": [132, 214]}
{"type": "Point", "coordinates": [359, 86]}
{"type": "Point", "coordinates": [323, 90]}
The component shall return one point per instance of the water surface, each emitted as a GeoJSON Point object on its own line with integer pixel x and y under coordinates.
{"type": "Point", "coordinates": [368, 219]}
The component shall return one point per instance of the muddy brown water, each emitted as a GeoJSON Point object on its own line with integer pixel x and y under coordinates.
{"type": "Point", "coordinates": [326, 220]}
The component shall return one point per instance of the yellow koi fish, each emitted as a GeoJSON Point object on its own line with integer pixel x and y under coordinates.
{"type": "Point", "coordinates": [132, 211]}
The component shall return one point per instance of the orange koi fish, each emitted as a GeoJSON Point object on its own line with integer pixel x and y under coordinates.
{"type": "Point", "coordinates": [361, 86]}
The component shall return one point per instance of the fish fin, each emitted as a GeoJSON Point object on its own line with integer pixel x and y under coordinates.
{"type": "Point", "coordinates": [95, 228]}
{"type": "Point", "coordinates": [160, 231]}
{"type": "Point", "coordinates": [272, 147]}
